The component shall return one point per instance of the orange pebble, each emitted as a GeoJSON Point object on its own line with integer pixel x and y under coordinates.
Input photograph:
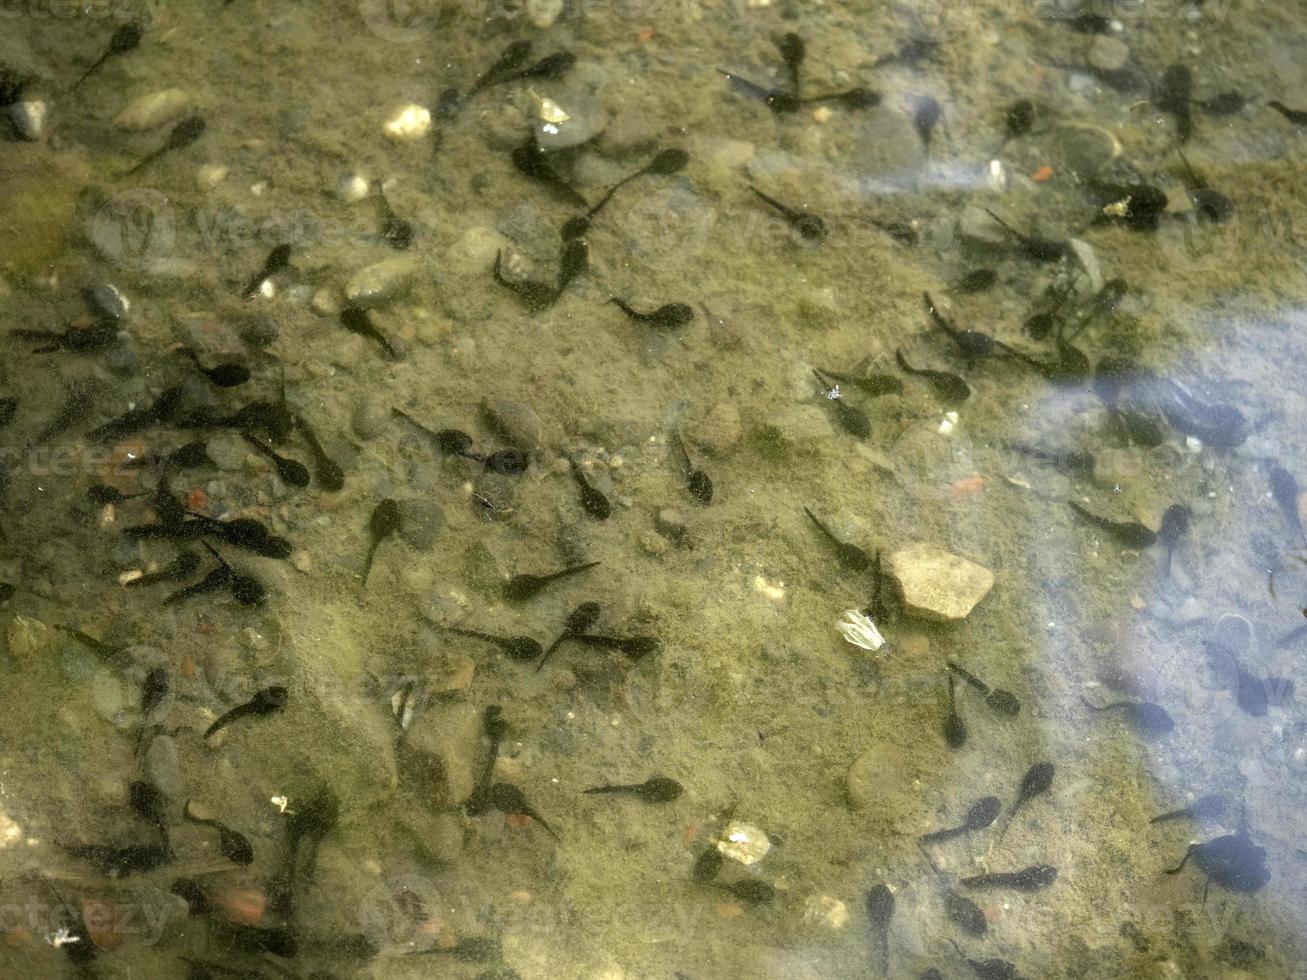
{"type": "Point", "coordinates": [242, 906]}
{"type": "Point", "coordinates": [101, 919]}
{"type": "Point", "coordinates": [1042, 174]}
{"type": "Point", "coordinates": [966, 486]}
{"type": "Point", "coordinates": [517, 820]}
{"type": "Point", "coordinates": [645, 36]}
{"type": "Point", "coordinates": [729, 910]}
{"type": "Point", "coordinates": [197, 499]}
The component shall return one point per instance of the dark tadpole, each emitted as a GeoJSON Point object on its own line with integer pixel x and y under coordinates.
{"type": "Point", "coordinates": [326, 470]}
{"type": "Point", "coordinates": [266, 702]}
{"type": "Point", "coordinates": [924, 119]}
{"type": "Point", "coordinates": [1004, 702]}
{"type": "Point", "coordinates": [1174, 94]}
{"type": "Point", "coordinates": [572, 261]}
{"type": "Point", "coordinates": [950, 389]}
{"type": "Point", "coordinates": [593, 502]}
{"type": "Point", "coordinates": [102, 493]}
{"type": "Point", "coordinates": [357, 320]}
{"type": "Point", "coordinates": [225, 374]}
{"type": "Point", "coordinates": [955, 729]}
{"type": "Point", "coordinates": [532, 162]}
{"type": "Point", "coordinates": [524, 585]}
{"type": "Point", "coordinates": [1203, 810]}
{"type": "Point", "coordinates": [1132, 534]}
{"type": "Point", "coordinates": [292, 472]}
{"type": "Point", "coordinates": [231, 844]}
{"type": "Point", "coordinates": [657, 789]}
{"type": "Point", "coordinates": [396, 232]}
{"type": "Point", "coordinates": [667, 317]}
{"type": "Point", "coordinates": [1029, 879]}
{"type": "Point", "coordinates": [1296, 116]}
{"type": "Point", "coordinates": [850, 556]}
{"type": "Point", "coordinates": [579, 620]}
{"type": "Point", "coordinates": [972, 343]}
{"type": "Point", "coordinates": [634, 647]}
{"type": "Point", "coordinates": [75, 340]}
{"type": "Point", "coordinates": [184, 565]}
{"type": "Point", "coordinates": [872, 385]}
{"type": "Point", "coordinates": [1284, 491]}
{"type": "Point", "coordinates": [777, 100]}
{"type": "Point", "coordinates": [976, 281]}
{"type": "Point", "coordinates": [1017, 120]}
{"type": "Point", "coordinates": [510, 60]}
{"type": "Point", "coordinates": [247, 589]}
{"type": "Point", "coordinates": [1037, 781]}
{"type": "Point", "coordinates": [508, 799]}
{"type": "Point", "coordinates": [850, 418]}
{"type": "Point", "coordinates": [516, 647]}
{"type": "Point", "coordinates": [980, 815]}
{"type": "Point", "coordinates": [809, 226]}
{"type": "Point", "coordinates": [278, 259]}
{"type": "Point", "coordinates": [1034, 247]}
{"type": "Point", "coordinates": [665, 163]}
{"type": "Point", "coordinates": [750, 891]}
{"type": "Point", "coordinates": [126, 38]}
{"type": "Point", "coordinates": [696, 480]}
{"type": "Point", "coordinates": [182, 135]}
{"type": "Point", "coordinates": [1145, 717]}
{"type": "Point", "coordinates": [510, 461]}
{"type": "Point", "coordinates": [965, 914]}
{"type": "Point", "coordinates": [1175, 523]}
{"type": "Point", "coordinates": [879, 903]}
{"type": "Point", "coordinates": [536, 295]}
{"type": "Point", "coordinates": [383, 524]}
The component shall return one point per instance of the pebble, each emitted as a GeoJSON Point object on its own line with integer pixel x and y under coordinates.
{"type": "Point", "coordinates": [1084, 253]}
{"type": "Point", "coordinates": [725, 163]}
{"type": "Point", "coordinates": [671, 522]}
{"type": "Point", "coordinates": [825, 910]}
{"type": "Point", "coordinates": [153, 109]}
{"type": "Point", "coordinates": [1108, 53]}
{"type": "Point", "coordinates": [107, 300]}
{"type": "Point", "coordinates": [543, 13]}
{"type": "Point", "coordinates": [370, 418]}
{"type": "Point", "coordinates": [408, 122]}
{"type": "Point", "coordinates": [163, 764]}
{"type": "Point", "coordinates": [210, 175]}
{"type": "Point", "coordinates": [938, 585]}
{"type": "Point", "coordinates": [112, 698]}
{"type": "Point", "coordinates": [325, 302]}
{"type": "Point", "coordinates": [441, 745]}
{"type": "Point", "coordinates": [1082, 149]}
{"type": "Point", "coordinates": [882, 785]}
{"type": "Point", "coordinates": [27, 636]}
{"type": "Point", "coordinates": [474, 252]}
{"type": "Point", "coordinates": [351, 187]}
{"type": "Point", "coordinates": [227, 451]}
{"type": "Point", "coordinates": [513, 421]}
{"type": "Point", "coordinates": [628, 131]}
{"type": "Point", "coordinates": [889, 146]}
{"type": "Point", "coordinates": [977, 228]}
{"type": "Point", "coordinates": [381, 281]}
{"type": "Point", "coordinates": [567, 121]}
{"type": "Point", "coordinates": [419, 522]}
{"type": "Point", "coordinates": [744, 842]}
{"type": "Point", "coordinates": [29, 118]}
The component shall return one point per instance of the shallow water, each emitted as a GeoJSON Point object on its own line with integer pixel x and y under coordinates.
{"type": "Point", "coordinates": [754, 702]}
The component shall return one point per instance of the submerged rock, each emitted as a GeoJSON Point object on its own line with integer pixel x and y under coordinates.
{"type": "Point", "coordinates": [381, 281]}
{"type": "Point", "coordinates": [153, 109]}
{"type": "Point", "coordinates": [938, 585]}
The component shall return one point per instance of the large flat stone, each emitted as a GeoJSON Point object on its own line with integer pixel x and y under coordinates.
{"type": "Point", "coordinates": [938, 585]}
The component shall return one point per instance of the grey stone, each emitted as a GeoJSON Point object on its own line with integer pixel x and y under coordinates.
{"type": "Point", "coordinates": [163, 764]}
{"type": "Point", "coordinates": [28, 117]}
{"type": "Point", "coordinates": [227, 451]}
{"type": "Point", "coordinates": [978, 228]}
{"type": "Point", "coordinates": [1084, 253]}
{"type": "Point", "coordinates": [671, 524]}
{"type": "Point", "coordinates": [513, 421]}
{"type": "Point", "coordinates": [441, 752]}
{"type": "Point", "coordinates": [1108, 53]}
{"type": "Point", "coordinates": [419, 522]}
{"type": "Point", "coordinates": [1082, 149]}
{"type": "Point", "coordinates": [106, 300]}
{"type": "Point", "coordinates": [370, 418]}
{"type": "Point", "coordinates": [382, 281]}
{"type": "Point", "coordinates": [888, 146]}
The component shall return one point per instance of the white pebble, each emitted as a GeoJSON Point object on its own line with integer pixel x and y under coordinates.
{"type": "Point", "coordinates": [351, 187]}
{"type": "Point", "coordinates": [153, 109]}
{"type": "Point", "coordinates": [543, 13]}
{"type": "Point", "coordinates": [29, 118]}
{"type": "Point", "coordinates": [409, 122]}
